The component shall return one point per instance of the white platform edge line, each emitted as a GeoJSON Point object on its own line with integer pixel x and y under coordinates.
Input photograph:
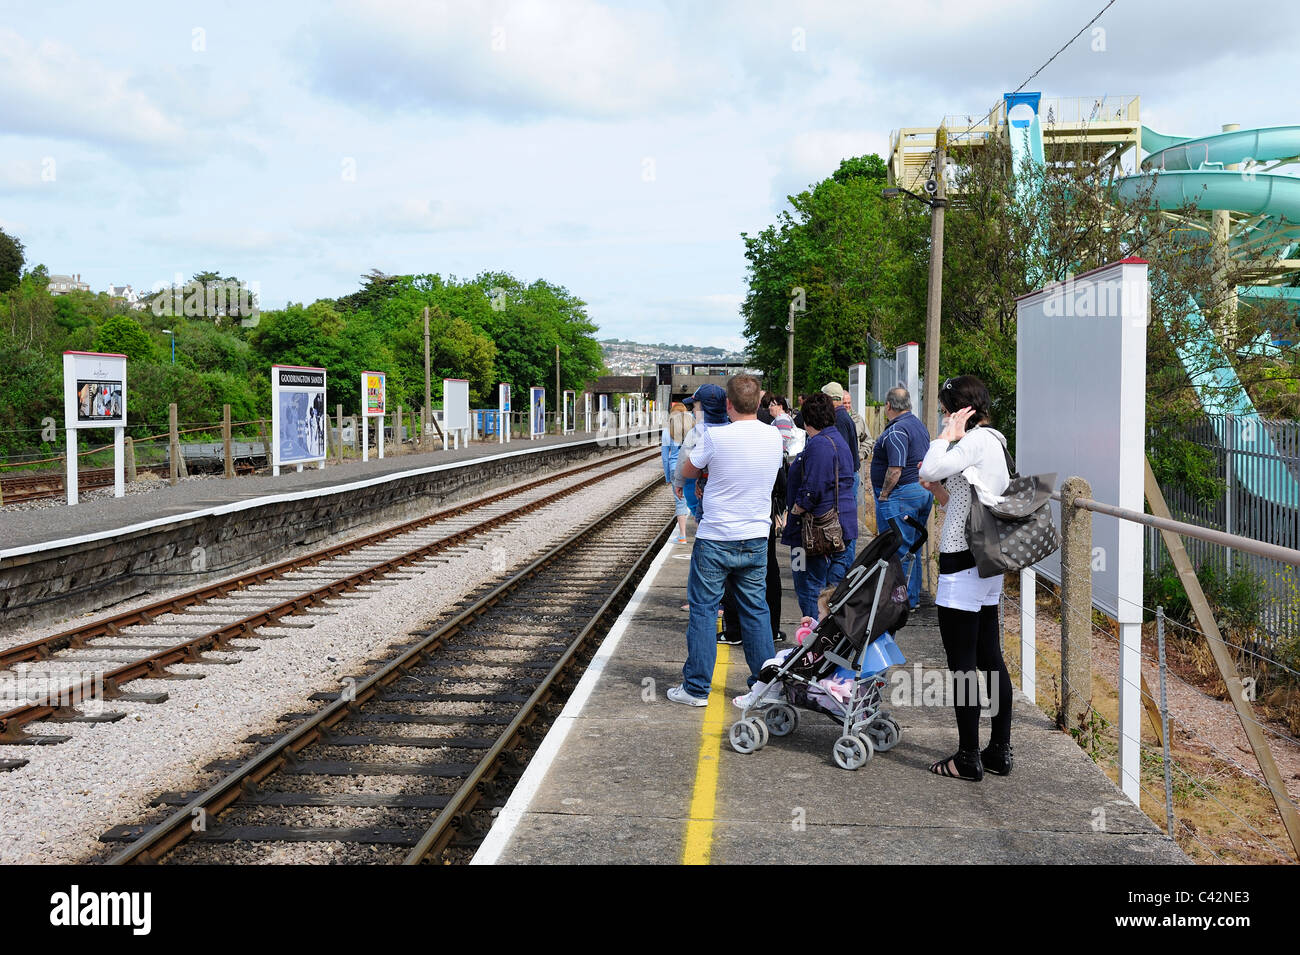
{"type": "Point", "coordinates": [503, 829]}
{"type": "Point", "coordinates": [294, 496]}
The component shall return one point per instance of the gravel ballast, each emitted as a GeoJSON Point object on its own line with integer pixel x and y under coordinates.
{"type": "Point", "coordinates": [58, 805]}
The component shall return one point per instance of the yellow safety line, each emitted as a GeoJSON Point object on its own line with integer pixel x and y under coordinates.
{"type": "Point", "coordinates": [699, 826]}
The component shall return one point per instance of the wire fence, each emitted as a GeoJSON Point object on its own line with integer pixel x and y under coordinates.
{"type": "Point", "coordinates": [1204, 786]}
{"type": "Point", "coordinates": [1256, 461]}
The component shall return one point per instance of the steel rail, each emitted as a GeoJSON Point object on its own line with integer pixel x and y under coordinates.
{"type": "Point", "coordinates": [452, 818]}
{"type": "Point", "coordinates": [109, 626]}
{"type": "Point", "coordinates": [177, 828]}
{"type": "Point", "coordinates": [191, 651]}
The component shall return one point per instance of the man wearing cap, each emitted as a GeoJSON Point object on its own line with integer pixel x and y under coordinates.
{"type": "Point", "coordinates": [731, 543]}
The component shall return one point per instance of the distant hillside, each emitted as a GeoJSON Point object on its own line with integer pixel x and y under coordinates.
{"type": "Point", "coordinates": [639, 358]}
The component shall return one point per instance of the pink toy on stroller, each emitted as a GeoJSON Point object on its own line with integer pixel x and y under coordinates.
{"type": "Point", "coordinates": [839, 668]}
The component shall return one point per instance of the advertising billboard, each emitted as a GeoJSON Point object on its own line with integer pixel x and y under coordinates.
{"type": "Point", "coordinates": [298, 417]}
{"type": "Point", "coordinates": [374, 394]}
{"type": "Point", "coordinates": [94, 390]}
{"type": "Point", "coordinates": [536, 412]}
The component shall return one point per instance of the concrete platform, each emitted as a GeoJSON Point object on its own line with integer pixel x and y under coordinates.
{"type": "Point", "coordinates": [59, 560]}
{"type": "Point", "coordinates": [627, 777]}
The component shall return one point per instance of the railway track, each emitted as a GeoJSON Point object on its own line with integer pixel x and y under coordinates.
{"type": "Point", "coordinates": [405, 766]}
{"type": "Point", "coordinates": [46, 484]}
{"type": "Point", "coordinates": [271, 596]}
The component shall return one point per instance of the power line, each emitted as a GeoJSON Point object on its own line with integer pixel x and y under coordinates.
{"type": "Point", "coordinates": [1063, 48]}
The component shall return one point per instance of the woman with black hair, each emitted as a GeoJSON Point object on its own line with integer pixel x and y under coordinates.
{"type": "Point", "coordinates": [969, 457]}
{"type": "Point", "coordinates": [820, 479]}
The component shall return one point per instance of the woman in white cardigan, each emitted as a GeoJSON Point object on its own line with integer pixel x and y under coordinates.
{"type": "Point", "coordinates": [969, 458]}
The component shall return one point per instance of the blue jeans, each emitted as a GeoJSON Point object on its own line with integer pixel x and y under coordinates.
{"type": "Point", "coordinates": [914, 501]}
{"type": "Point", "coordinates": [744, 563]}
{"type": "Point", "coordinates": [818, 573]}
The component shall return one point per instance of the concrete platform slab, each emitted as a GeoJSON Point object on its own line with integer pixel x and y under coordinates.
{"type": "Point", "coordinates": [625, 775]}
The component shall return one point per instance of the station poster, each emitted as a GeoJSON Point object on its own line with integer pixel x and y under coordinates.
{"type": "Point", "coordinates": [298, 414]}
{"type": "Point", "coordinates": [537, 411]}
{"type": "Point", "coordinates": [94, 390]}
{"type": "Point", "coordinates": [374, 393]}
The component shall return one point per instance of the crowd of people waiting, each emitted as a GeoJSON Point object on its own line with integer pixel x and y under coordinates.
{"type": "Point", "coordinates": [749, 472]}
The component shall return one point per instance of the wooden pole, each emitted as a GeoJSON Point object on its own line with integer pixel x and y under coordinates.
{"type": "Point", "coordinates": [130, 460]}
{"type": "Point", "coordinates": [173, 446]}
{"type": "Point", "coordinates": [1076, 605]}
{"type": "Point", "coordinates": [225, 441]}
{"type": "Point", "coordinates": [427, 414]}
{"type": "Point", "coordinates": [1223, 660]}
{"type": "Point", "coordinates": [266, 445]}
{"type": "Point", "coordinates": [397, 431]}
{"type": "Point", "coordinates": [338, 413]}
{"type": "Point", "coordinates": [933, 314]}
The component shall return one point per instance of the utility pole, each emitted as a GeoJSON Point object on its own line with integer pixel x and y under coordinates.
{"type": "Point", "coordinates": [428, 393]}
{"type": "Point", "coordinates": [934, 295]}
{"type": "Point", "coordinates": [789, 357]}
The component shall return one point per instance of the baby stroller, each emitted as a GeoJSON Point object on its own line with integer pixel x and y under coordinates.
{"type": "Point", "coordinates": [839, 668]}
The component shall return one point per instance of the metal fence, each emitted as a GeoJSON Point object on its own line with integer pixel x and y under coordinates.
{"type": "Point", "coordinates": [1257, 462]}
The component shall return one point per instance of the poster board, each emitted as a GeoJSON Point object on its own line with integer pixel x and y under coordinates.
{"type": "Point", "coordinates": [536, 412]}
{"type": "Point", "coordinates": [94, 390]}
{"type": "Point", "coordinates": [455, 410]}
{"type": "Point", "coordinates": [570, 412]}
{"type": "Point", "coordinates": [1081, 410]}
{"type": "Point", "coordinates": [298, 416]}
{"type": "Point", "coordinates": [503, 409]}
{"type": "Point", "coordinates": [907, 367]}
{"type": "Point", "coordinates": [374, 404]}
{"type": "Point", "coordinates": [602, 419]}
{"type": "Point", "coordinates": [94, 396]}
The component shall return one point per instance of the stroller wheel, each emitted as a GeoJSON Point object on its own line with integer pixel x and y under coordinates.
{"type": "Point", "coordinates": [745, 736]}
{"type": "Point", "coordinates": [852, 752]}
{"type": "Point", "coordinates": [884, 734]}
{"type": "Point", "coordinates": [782, 719]}
{"type": "Point", "coordinates": [762, 730]}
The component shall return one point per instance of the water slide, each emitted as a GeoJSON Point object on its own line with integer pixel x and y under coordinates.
{"type": "Point", "coordinates": [1192, 173]}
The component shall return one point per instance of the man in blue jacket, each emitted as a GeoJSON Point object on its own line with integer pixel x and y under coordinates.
{"type": "Point", "coordinates": [894, 479]}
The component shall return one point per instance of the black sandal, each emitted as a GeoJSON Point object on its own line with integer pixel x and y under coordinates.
{"type": "Point", "coordinates": [996, 758]}
{"type": "Point", "coordinates": [968, 766]}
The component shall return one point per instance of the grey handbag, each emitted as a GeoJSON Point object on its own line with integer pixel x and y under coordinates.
{"type": "Point", "coordinates": [1017, 532]}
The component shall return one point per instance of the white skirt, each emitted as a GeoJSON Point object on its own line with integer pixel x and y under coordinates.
{"type": "Point", "coordinates": [967, 590]}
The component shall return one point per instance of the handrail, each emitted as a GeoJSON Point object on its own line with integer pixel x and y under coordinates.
{"type": "Point", "coordinates": [1276, 552]}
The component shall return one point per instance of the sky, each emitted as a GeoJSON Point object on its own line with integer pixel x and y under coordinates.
{"type": "Point", "coordinates": [617, 149]}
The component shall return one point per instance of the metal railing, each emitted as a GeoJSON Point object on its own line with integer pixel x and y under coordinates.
{"type": "Point", "coordinates": [1078, 631]}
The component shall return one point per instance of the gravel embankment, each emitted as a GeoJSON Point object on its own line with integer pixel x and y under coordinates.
{"type": "Point", "coordinates": [57, 806]}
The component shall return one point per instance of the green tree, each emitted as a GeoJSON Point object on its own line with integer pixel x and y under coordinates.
{"type": "Point", "coordinates": [123, 335]}
{"type": "Point", "coordinates": [847, 262]}
{"type": "Point", "coordinates": [12, 257]}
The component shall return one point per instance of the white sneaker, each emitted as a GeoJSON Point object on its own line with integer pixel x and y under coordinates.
{"type": "Point", "coordinates": [678, 695]}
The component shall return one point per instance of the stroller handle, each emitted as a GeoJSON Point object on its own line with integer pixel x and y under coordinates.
{"type": "Point", "coordinates": [922, 534]}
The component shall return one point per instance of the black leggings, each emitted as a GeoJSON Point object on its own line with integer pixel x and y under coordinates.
{"type": "Point", "coordinates": [972, 643]}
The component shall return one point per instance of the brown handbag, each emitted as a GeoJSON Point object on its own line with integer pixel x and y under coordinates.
{"type": "Point", "coordinates": [823, 535]}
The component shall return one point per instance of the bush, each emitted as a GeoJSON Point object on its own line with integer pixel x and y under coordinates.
{"type": "Point", "coordinates": [1236, 598]}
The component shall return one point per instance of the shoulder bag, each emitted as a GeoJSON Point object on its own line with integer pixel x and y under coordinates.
{"type": "Point", "coordinates": [823, 536]}
{"type": "Point", "coordinates": [1016, 532]}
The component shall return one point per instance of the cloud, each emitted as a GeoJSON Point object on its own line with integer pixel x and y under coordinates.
{"type": "Point", "coordinates": [51, 90]}
{"type": "Point", "coordinates": [407, 216]}
{"type": "Point", "coordinates": [520, 59]}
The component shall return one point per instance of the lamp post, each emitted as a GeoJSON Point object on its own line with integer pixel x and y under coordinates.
{"type": "Point", "coordinates": [172, 335]}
